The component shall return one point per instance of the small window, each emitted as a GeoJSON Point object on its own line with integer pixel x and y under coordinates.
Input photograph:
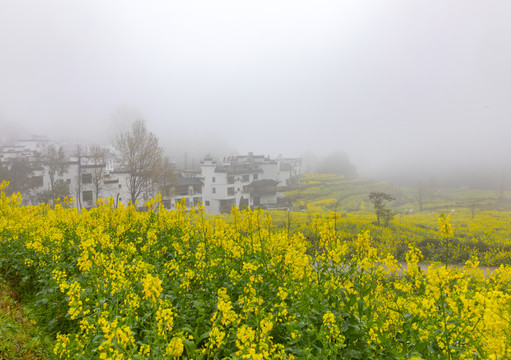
{"type": "Point", "coordinates": [86, 178]}
{"type": "Point", "coordinates": [214, 191]}
{"type": "Point", "coordinates": [207, 203]}
{"type": "Point", "coordinates": [246, 178]}
{"type": "Point", "coordinates": [87, 195]}
{"type": "Point", "coordinates": [255, 176]}
{"type": "Point", "coordinates": [213, 180]}
{"type": "Point", "coordinates": [230, 179]}
{"type": "Point", "coordinates": [119, 186]}
{"type": "Point", "coordinates": [230, 191]}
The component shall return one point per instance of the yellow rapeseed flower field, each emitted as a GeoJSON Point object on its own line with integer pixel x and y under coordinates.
{"type": "Point", "coordinates": [114, 283]}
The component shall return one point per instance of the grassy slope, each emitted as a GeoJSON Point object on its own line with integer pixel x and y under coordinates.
{"type": "Point", "coordinates": [324, 192]}
{"type": "Point", "coordinates": [481, 222]}
{"type": "Point", "coordinates": [20, 337]}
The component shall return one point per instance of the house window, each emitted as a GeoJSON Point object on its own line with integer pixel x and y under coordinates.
{"type": "Point", "coordinates": [214, 191]}
{"type": "Point", "coordinates": [230, 179]}
{"type": "Point", "coordinates": [246, 178]}
{"type": "Point", "coordinates": [245, 188]}
{"type": "Point", "coordinates": [213, 180]}
{"type": "Point", "coordinates": [255, 176]}
{"type": "Point", "coordinates": [207, 203]}
{"type": "Point", "coordinates": [86, 178]}
{"type": "Point", "coordinates": [87, 195]}
{"type": "Point", "coordinates": [119, 186]}
{"type": "Point", "coordinates": [230, 191]}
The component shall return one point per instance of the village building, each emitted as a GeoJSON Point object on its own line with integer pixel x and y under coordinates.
{"type": "Point", "coordinates": [245, 181]}
{"type": "Point", "coordinates": [187, 190]}
{"type": "Point", "coordinates": [250, 181]}
{"type": "Point", "coordinates": [226, 186]}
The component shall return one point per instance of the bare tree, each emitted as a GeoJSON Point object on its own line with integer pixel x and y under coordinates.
{"type": "Point", "coordinates": [143, 158]}
{"type": "Point", "coordinates": [19, 173]}
{"type": "Point", "coordinates": [56, 165]}
{"type": "Point", "coordinates": [4, 172]}
{"type": "Point", "coordinates": [97, 158]}
{"type": "Point", "coordinates": [167, 179]}
{"type": "Point", "coordinates": [78, 186]}
{"type": "Point", "coordinates": [55, 161]}
{"type": "Point", "coordinates": [421, 193]}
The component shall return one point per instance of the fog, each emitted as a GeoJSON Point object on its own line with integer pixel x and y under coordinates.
{"type": "Point", "coordinates": [410, 90]}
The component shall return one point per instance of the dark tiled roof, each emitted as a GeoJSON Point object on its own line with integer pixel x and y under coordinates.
{"type": "Point", "coordinates": [188, 181]}
{"type": "Point", "coordinates": [93, 166]}
{"type": "Point", "coordinates": [220, 169]}
{"type": "Point", "coordinates": [240, 171]}
{"type": "Point", "coordinates": [263, 182]}
{"type": "Point", "coordinates": [120, 171]}
{"type": "Point", "coordinates": [243, 168]}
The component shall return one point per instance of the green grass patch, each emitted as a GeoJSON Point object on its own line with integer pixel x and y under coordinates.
{"type": "Point", "coordinates": [20, 337]}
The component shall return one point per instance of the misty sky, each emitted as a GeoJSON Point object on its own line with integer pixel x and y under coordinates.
{"type": "Point", "coordinates": [423, 82]}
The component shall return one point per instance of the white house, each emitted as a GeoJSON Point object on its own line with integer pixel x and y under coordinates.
{"type": "Point", "coordinates": [237, 182]}
{"type": "Point", "coordinates": [188, 189]}
{"type": "Point", "coordinates": [290, 171]}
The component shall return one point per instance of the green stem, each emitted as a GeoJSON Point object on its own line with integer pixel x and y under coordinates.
{"type": "Point", "coordinates": [446, 252]}
{"type": "Point", "coordinates": [446, 332]}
